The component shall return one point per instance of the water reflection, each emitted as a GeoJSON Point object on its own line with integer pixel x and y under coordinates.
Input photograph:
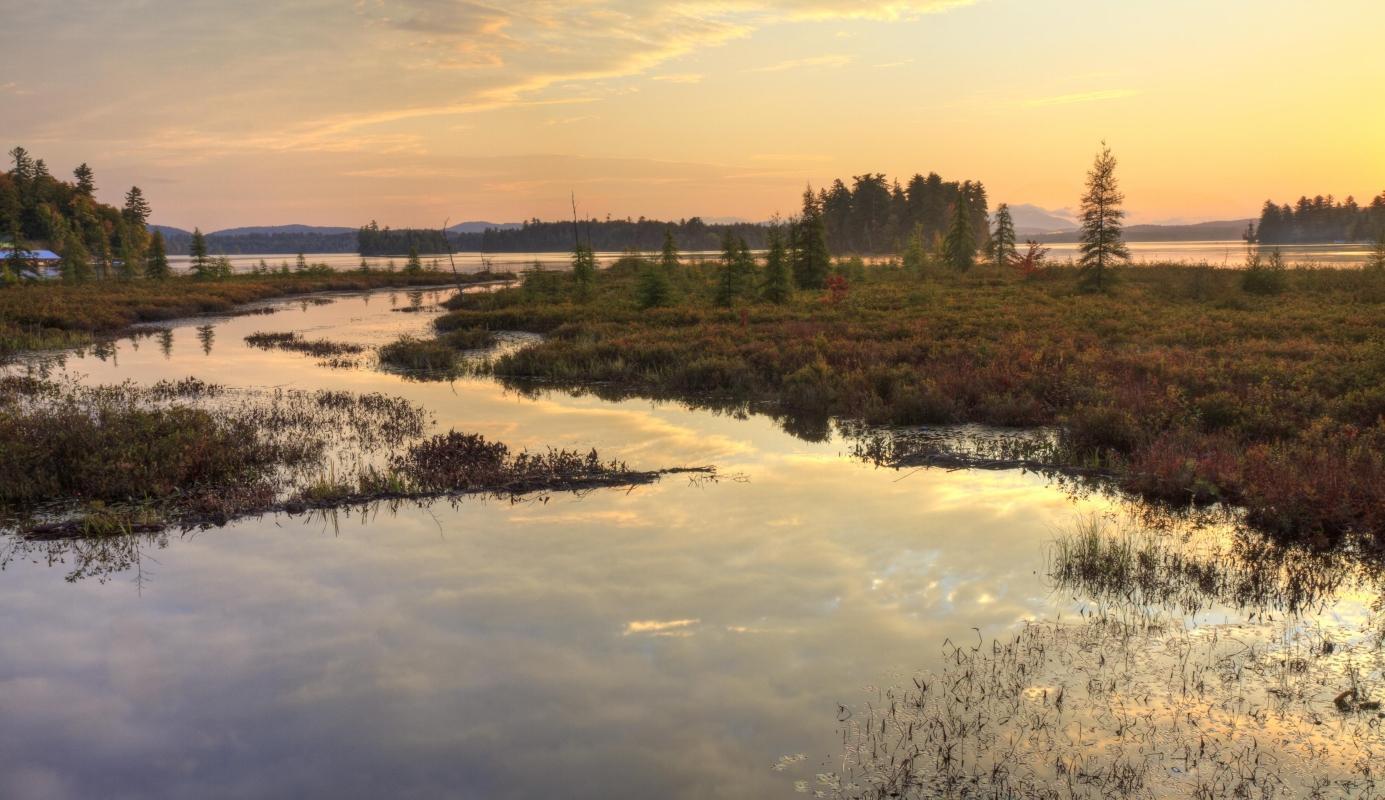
{"type": "Point", "coordinates": [675, 640]}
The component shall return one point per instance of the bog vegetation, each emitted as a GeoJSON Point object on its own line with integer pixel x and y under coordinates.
{"type": "Point", "coordinates": [1259, 387]}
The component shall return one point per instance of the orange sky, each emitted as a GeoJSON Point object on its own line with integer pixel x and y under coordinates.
{"type": "Point", "coordinates": [412, 111]}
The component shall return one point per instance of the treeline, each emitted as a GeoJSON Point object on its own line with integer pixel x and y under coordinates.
{"type": "Point", "coordinates": [95, 240]}
{"type": "Point", "coordinates": [264, 243]}
{"type": "Point", "coordinates": [875, 215]}
{"type": "Point", "coordinates": [1322, 219]}
{"type": "Point", "coordinates": [373, 240]}
{"type": "Point", "coordinates": [609, 235]}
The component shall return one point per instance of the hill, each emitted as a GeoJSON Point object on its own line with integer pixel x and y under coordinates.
{"type": "Point", "coordinates": [1218, 231]}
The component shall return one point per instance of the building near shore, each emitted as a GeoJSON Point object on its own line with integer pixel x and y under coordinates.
{"type": "Point", "coordinates": [38, 264]}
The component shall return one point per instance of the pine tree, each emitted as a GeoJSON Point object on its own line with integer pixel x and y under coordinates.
{"type": "Point", "coordinates": [413, 264]}
{"type": "Point", "coordinates": [654, 289]}
{"type": "Point", "coordinates": [583, 271]}
{"type": "Point", "coordinates": [1102, 245]}
{"type": "Point", "coordinates": [1003, 240]}
{"type": "Point", "coordinates": [137, 210]}
{"type": "Point", "coordinates": [959, 248]}
{"type": "Point", "coordinates": [86, 180]}
{"type": "Point", "coordinates": [157, 266]}
{"type": "Point", "coordinates": [301, 264]}
{"type": "Point", "coordinates": [811, 258]}
{"type": "Point", "coordinates": [778, 287]}
{"type": "Point", "coordinates": [365, 266]}
{"type": "Point", "coordinates": [23, 171]}
{"type": "Point", "coordinates": [201, 267]}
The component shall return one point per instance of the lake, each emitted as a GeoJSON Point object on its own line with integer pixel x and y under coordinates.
{"type": "Point", "coordinates": [675, 640]}
{"type": "Point", "coordinates": [1219, 254]}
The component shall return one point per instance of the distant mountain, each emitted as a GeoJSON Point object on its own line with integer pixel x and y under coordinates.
{"type": "Point", "coordinates": [1031, 219]}
{"type": "Point", "coordinates": [170, 232]}
{"type": "Point", "coordinates": [273, 229]}
{"type": "Point", "coordinates": [1219, 231]}
{"type": "Point", "coordinates": [481, 227]}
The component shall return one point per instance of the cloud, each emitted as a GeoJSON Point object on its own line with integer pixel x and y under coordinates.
{"type": "Point", "coordinates": [654, 627]}
{"type": "Point", "coordinates": [799, 63]}
{"type": "Point", "coordinates": [1081, 97]}
{"type": "Point", "coordinates": [680, 77]}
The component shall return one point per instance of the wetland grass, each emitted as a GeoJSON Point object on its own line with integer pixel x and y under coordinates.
{"type": "Point", "coordinates": [1178, 384]}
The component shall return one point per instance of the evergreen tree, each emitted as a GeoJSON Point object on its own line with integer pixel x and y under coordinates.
{"type": "Point", "coordinates": [137, 210]}
{"type": "Point", "coordinates": [583, 271]}
{"type": "Point", "coordinates": [201, 267]}
{"type": "Point", "coordinates": [1376, 262]}
{"type": "Point", "coordinates": [654, 289]}
{"type": "Point", "coordinates": [915, 255]}
{"type": "Point", "coordinates": [301, 264]}
{"type": "Point", "coordinates": [1003, 241]}
{"type": "Point", "coordinates": [669, 257]}
{"type": "Point", "coordinates": [1102, 245]}
{"type": "Point", "coordinates": [811, 258]}
{"type": "Point", "coordinates": [23, 170]}
{"type": "Point", "coordinates": [413, 264]}
{"type": "Point", "coordinates": [86, 180]}
{"type": "Point", "coordinates": [959, 248]}
{"type": "Point", "coordinates": [76, 266]}
{"type": "Point", "coordinates": [778, 287]}
{"type": "Point", "coordinates": [728, 288]}
{"type": "Point", "coordinates": [14, 262]}
{"type": "Point", "coordinates": [130, 260]}
{"type": "Point", "coordinates": [365, 266]}
{"type": "Point", "coordinates": [157, 266]}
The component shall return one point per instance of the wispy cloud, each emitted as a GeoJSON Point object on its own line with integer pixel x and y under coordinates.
{"type": "Point", "coordinates": [800, 63]}
{"type": "Point", "coordinates": [655, 627]}
{"type": "Point", "coordinates": [680, 77]}
{"type": "Point", "coordinates": [1080, 97]}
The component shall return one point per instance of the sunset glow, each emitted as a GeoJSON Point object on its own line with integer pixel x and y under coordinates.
{"type": "Point", "coordinates": [412, 111]}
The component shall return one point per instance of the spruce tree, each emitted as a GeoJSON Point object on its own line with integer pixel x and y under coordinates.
{"type": "Point", "coordinates": [413, 264]}
{"type": "Point", "coordinates": [86, 180]}
{"type": "Point", "coordinates": [669, 257]}
{"type": "Point", "coordinates": [915, 255]}
{"type": "Point", "coordinates": [728, 288]}
{"type": "Point", "coordinates": [959, 247]}
{"type": "Point", "coordinates": [198, 251]}
{"type": "Point", "coordinates": [76, 266]}
{"type": "Point", "coordinates": [1376, 261]}
{"type": "Point", "coordinates": [301, 264]}
{"type": "Point", "coordinates": [654, 289]}
{"type": "Point", "coordinates": [811, 258]}
{"type": "Point", "coordinates": [157, 266]}
{"type": "Point", "coordinates": [1003, 240]}
{"type": "Point", "coordinates": [583, 271]}
{"type": "Point", "coordinates": [1102, 246]}
{"type": "Point", "coordinates": [778, 278]}
{"type": "Point", "coordinates": [130, 266]}
{"type": "Point", "coordinates": [137, 210]}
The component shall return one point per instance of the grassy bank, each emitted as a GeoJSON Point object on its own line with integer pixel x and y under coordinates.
{"type": "Point", "coordinates": [1190, 384]}
{"type": "Point", "coordinates": [36, 316]}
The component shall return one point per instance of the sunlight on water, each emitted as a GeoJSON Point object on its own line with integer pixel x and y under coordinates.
{"type": "Point", "coordinates": [673, 640]}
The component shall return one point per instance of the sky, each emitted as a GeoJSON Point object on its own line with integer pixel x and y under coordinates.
{"type": "Point", "coordinates": [409, 112]}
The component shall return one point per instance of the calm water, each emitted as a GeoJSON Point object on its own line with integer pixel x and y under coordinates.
{"type": "Point", "coordinates": [1229, 253]}
{"type": "Point", "coordinates": [465, 262]}
{"type": "Point", "coordinates": [669, 641]}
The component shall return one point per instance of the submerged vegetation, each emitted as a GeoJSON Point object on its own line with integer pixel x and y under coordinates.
{"type": "Point", "coordinates": [117, 459]}
{"type": "Point", "coordinates": [1137, 698]}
